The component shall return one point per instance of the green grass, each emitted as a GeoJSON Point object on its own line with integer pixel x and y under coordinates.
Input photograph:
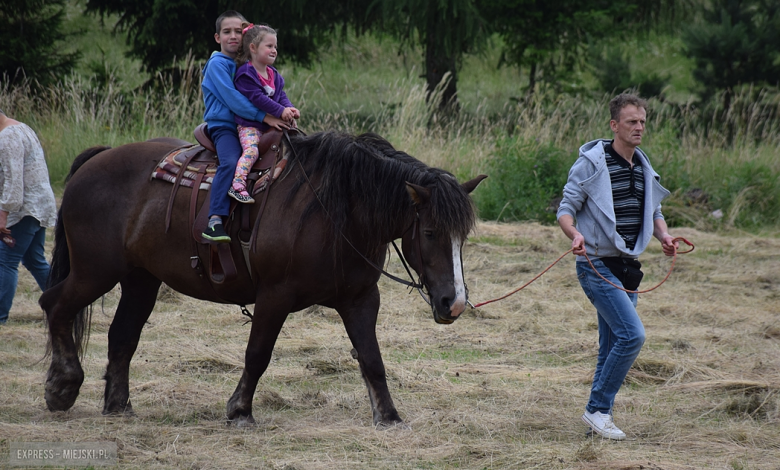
{"type": "Point", "coordinates": [368, 83]}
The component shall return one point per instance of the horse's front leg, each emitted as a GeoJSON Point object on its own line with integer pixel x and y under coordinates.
{"type": "Point", "coordinates": [359, 316]}
{"type": "Point", "coordinates": [139, 294]}
{"type": "Point", "coordinates": [270, 313]}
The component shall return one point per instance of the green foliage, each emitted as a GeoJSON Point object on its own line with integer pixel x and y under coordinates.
{"type": "Point", "coordinates": [751, 192]}
{"type": "Point", "coordinates": [550, 37]}
{"type": "Point", "coordinates": [365, 84]}
{"type": "Point", "coordinates": [736, 42]}
{"type": "Point", "coordinates": [543, 34]}
{"type": "Point", "coordinates": [526, 181]}
{"type": "Point", "coordinates": [446, 29]}
{"type": "Point", "coordinates": [612, 69]}
{"type": "Point", "coordinates": [31, 41]}
{"type": "Point", "coordinates": [162, 31]}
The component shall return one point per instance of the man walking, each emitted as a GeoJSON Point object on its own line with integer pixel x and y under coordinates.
{"type": "Point", "coordinates": [614, 195]}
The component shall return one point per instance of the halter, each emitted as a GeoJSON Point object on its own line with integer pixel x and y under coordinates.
{"type": "Point", "coordinates": [415, 227]}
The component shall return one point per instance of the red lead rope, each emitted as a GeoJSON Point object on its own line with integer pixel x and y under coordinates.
{"type": "Point", "coordinates": [674, 258]}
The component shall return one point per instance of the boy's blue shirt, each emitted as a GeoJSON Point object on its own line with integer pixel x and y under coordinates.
{"type": "Point", "coordinates": [220, 96]}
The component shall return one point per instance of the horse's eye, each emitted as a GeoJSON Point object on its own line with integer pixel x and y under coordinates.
{"type": "Point", "coordinates": [428, 234]}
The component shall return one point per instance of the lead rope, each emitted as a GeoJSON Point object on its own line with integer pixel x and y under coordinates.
{"type": "Point", "coordinates": [674, 258]}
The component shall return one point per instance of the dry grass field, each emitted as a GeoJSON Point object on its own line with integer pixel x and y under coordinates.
{"type": "Point", "coordinates": [503, 387]}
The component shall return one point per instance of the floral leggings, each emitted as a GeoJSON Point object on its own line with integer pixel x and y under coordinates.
{"type": "Point", "coordinates": [249, 137]}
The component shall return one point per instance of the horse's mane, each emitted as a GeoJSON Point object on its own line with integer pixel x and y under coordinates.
{"type": "Point", "coordinates": [361, 180]}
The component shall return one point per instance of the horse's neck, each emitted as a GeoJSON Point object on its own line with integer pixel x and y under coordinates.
{"type": "Point", "coordinates": [382, 229]}
{"type": "Point", "coordinates": [399, 230]}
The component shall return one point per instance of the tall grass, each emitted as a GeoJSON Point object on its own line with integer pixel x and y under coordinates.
{"type": "Point", "coordinates": [76, 114]}
{"type": "Point", "coordinates": [714, 161]}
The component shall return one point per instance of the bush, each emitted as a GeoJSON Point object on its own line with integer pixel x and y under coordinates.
{"type": "Point", "coordinates": [526, 183]}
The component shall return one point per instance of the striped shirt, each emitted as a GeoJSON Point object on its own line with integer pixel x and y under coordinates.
{"type": "Point", "coordinates": [628, 194]}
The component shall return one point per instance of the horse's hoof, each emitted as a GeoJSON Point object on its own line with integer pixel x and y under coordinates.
{"type": "Point", "coordinates": [388, 425]}
{"type": "Point", "coordinates": [242, 421]}
{"type": "Point", "coordinates": [62, 386]}
{"type": "Point", "coordinates": [125, 411]}
{"type": "Point", "coordinates": [61, 398]}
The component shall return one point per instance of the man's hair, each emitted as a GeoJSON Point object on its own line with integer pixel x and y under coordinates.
{"type": "Point", "coordinates": [621, 101]}
{"type": "Point", "coordinates": [229, 14]}
{"type": "Point", "coordinates": [253, 35]}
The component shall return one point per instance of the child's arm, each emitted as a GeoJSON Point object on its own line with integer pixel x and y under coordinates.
{"type": "Point", "coordinates": [220, 76]}
{"type": "Point", "coordinates": [283, 100]}
{"type": "Point", "coordinates": [290, 111]}
{"type": "Point", "coordinates": [251, 88]}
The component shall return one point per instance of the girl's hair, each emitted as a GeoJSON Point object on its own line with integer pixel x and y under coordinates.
{"type": "Point", "coordinates": [253, 34]}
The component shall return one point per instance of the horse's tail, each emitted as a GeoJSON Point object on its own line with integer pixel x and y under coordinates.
{"type": "Point", "coordinates": [60, 263]}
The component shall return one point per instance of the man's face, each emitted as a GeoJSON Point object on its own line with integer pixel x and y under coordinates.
{"type": "Point", "coordinates": [629, 129]}
{"type": "Point", "coordinates": [229, 36]}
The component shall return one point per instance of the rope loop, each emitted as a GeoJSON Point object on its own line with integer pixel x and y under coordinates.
{"type": "Point", "coordinates": [674, 258]}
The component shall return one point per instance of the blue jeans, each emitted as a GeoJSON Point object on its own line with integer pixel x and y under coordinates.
{"type": "Point", "coordinates": [30, 237]}
{"type": "Point", "coordinates": [229, 151]}
{"type": "Point", "coordinates": [621, 333]}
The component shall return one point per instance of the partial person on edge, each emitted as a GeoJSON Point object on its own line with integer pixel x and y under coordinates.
{"type": "Point", "coordinates": [27, 207]}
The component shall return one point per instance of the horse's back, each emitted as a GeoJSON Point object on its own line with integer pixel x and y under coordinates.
{"type": "Point", "coordinates": [110, 199]}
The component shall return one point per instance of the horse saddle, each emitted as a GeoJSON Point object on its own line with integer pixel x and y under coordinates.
{"type": "Point", "coordinates": [194, 166]}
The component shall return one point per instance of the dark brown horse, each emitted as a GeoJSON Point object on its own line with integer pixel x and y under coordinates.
{"type": "Point", "coordinates": [111, 230]}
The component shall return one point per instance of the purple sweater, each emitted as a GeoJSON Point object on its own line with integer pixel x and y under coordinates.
{"type": "Point", "coordinates": [248, 84]}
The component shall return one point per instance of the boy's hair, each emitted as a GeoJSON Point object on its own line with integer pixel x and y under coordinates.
{"type": "Point", "coordinates": [229, 14]}
{"type": "Point", "coordinates": [253, 35]}
{"type": "Point", "coordinates": [621, 101]}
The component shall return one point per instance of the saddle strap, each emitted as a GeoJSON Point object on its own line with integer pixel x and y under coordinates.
{"type": "Point", "coordinates": [256, 228]}
{"type": "Point", "coordinates": [195, 259]}
{"type": "Point", "coordinates": [176, 186]}
{"type": "Point", "coordinates": [244, 234]}
{"type": "Point", "coordinates": [221, 266]}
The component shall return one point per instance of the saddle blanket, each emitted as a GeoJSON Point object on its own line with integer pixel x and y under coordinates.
{"type": "Point", "coordinates": [170, 165]}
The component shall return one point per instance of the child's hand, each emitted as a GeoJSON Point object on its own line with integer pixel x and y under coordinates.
{"type": "Point", "coordinates": [288, 114]}
{"type": "Point", "coordinates": [296, 113]}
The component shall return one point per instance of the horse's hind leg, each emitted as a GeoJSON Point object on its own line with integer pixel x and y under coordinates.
{"type": "Point", "coordinates": [139, 294]}
{"type": "Point", "coordinates": [359, 318]}
{"type": "Point", "coordinates": [63, 303]}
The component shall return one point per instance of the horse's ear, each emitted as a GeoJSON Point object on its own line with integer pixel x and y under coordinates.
{"type": "Point", "coordinates": [419, 195]}
{"type": "Point", "coordinates": [469, 186]}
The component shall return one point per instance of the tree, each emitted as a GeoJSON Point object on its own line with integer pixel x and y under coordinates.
{"type": "Point", "coordinates": [736, 42]}
{"type": "Point", "coordinates": [31, 40]}
{"type": "Point", "coordinates": [445, 28]}
{"type": "Point", "coordinates": [162, 31]}
{"type": "Point", "coordinates": [544, 35]}
{"type": "Point", "coordinates": [551, 37]}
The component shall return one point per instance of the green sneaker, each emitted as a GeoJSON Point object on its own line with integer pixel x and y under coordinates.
{"type": "Point", "coordinates": [216, 234]}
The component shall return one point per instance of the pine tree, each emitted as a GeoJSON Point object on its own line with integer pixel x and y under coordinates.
{"type": "Point", "coordinates": [31, 40]}
{"type": "Point", "coordinates": [737, 42]}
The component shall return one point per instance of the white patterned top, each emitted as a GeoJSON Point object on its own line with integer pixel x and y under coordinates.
{"type": "Point", "coordinates": [24, 177]}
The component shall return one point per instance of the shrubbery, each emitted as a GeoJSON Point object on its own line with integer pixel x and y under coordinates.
{"type": "Point", "coordinates": [526, 181]}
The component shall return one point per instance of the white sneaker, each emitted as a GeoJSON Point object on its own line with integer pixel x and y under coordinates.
{"type": "Point", "coordinates": [601, 424]}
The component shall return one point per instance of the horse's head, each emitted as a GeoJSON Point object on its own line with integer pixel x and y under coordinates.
{"type": "Point", "coordinates": [433, 248]}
